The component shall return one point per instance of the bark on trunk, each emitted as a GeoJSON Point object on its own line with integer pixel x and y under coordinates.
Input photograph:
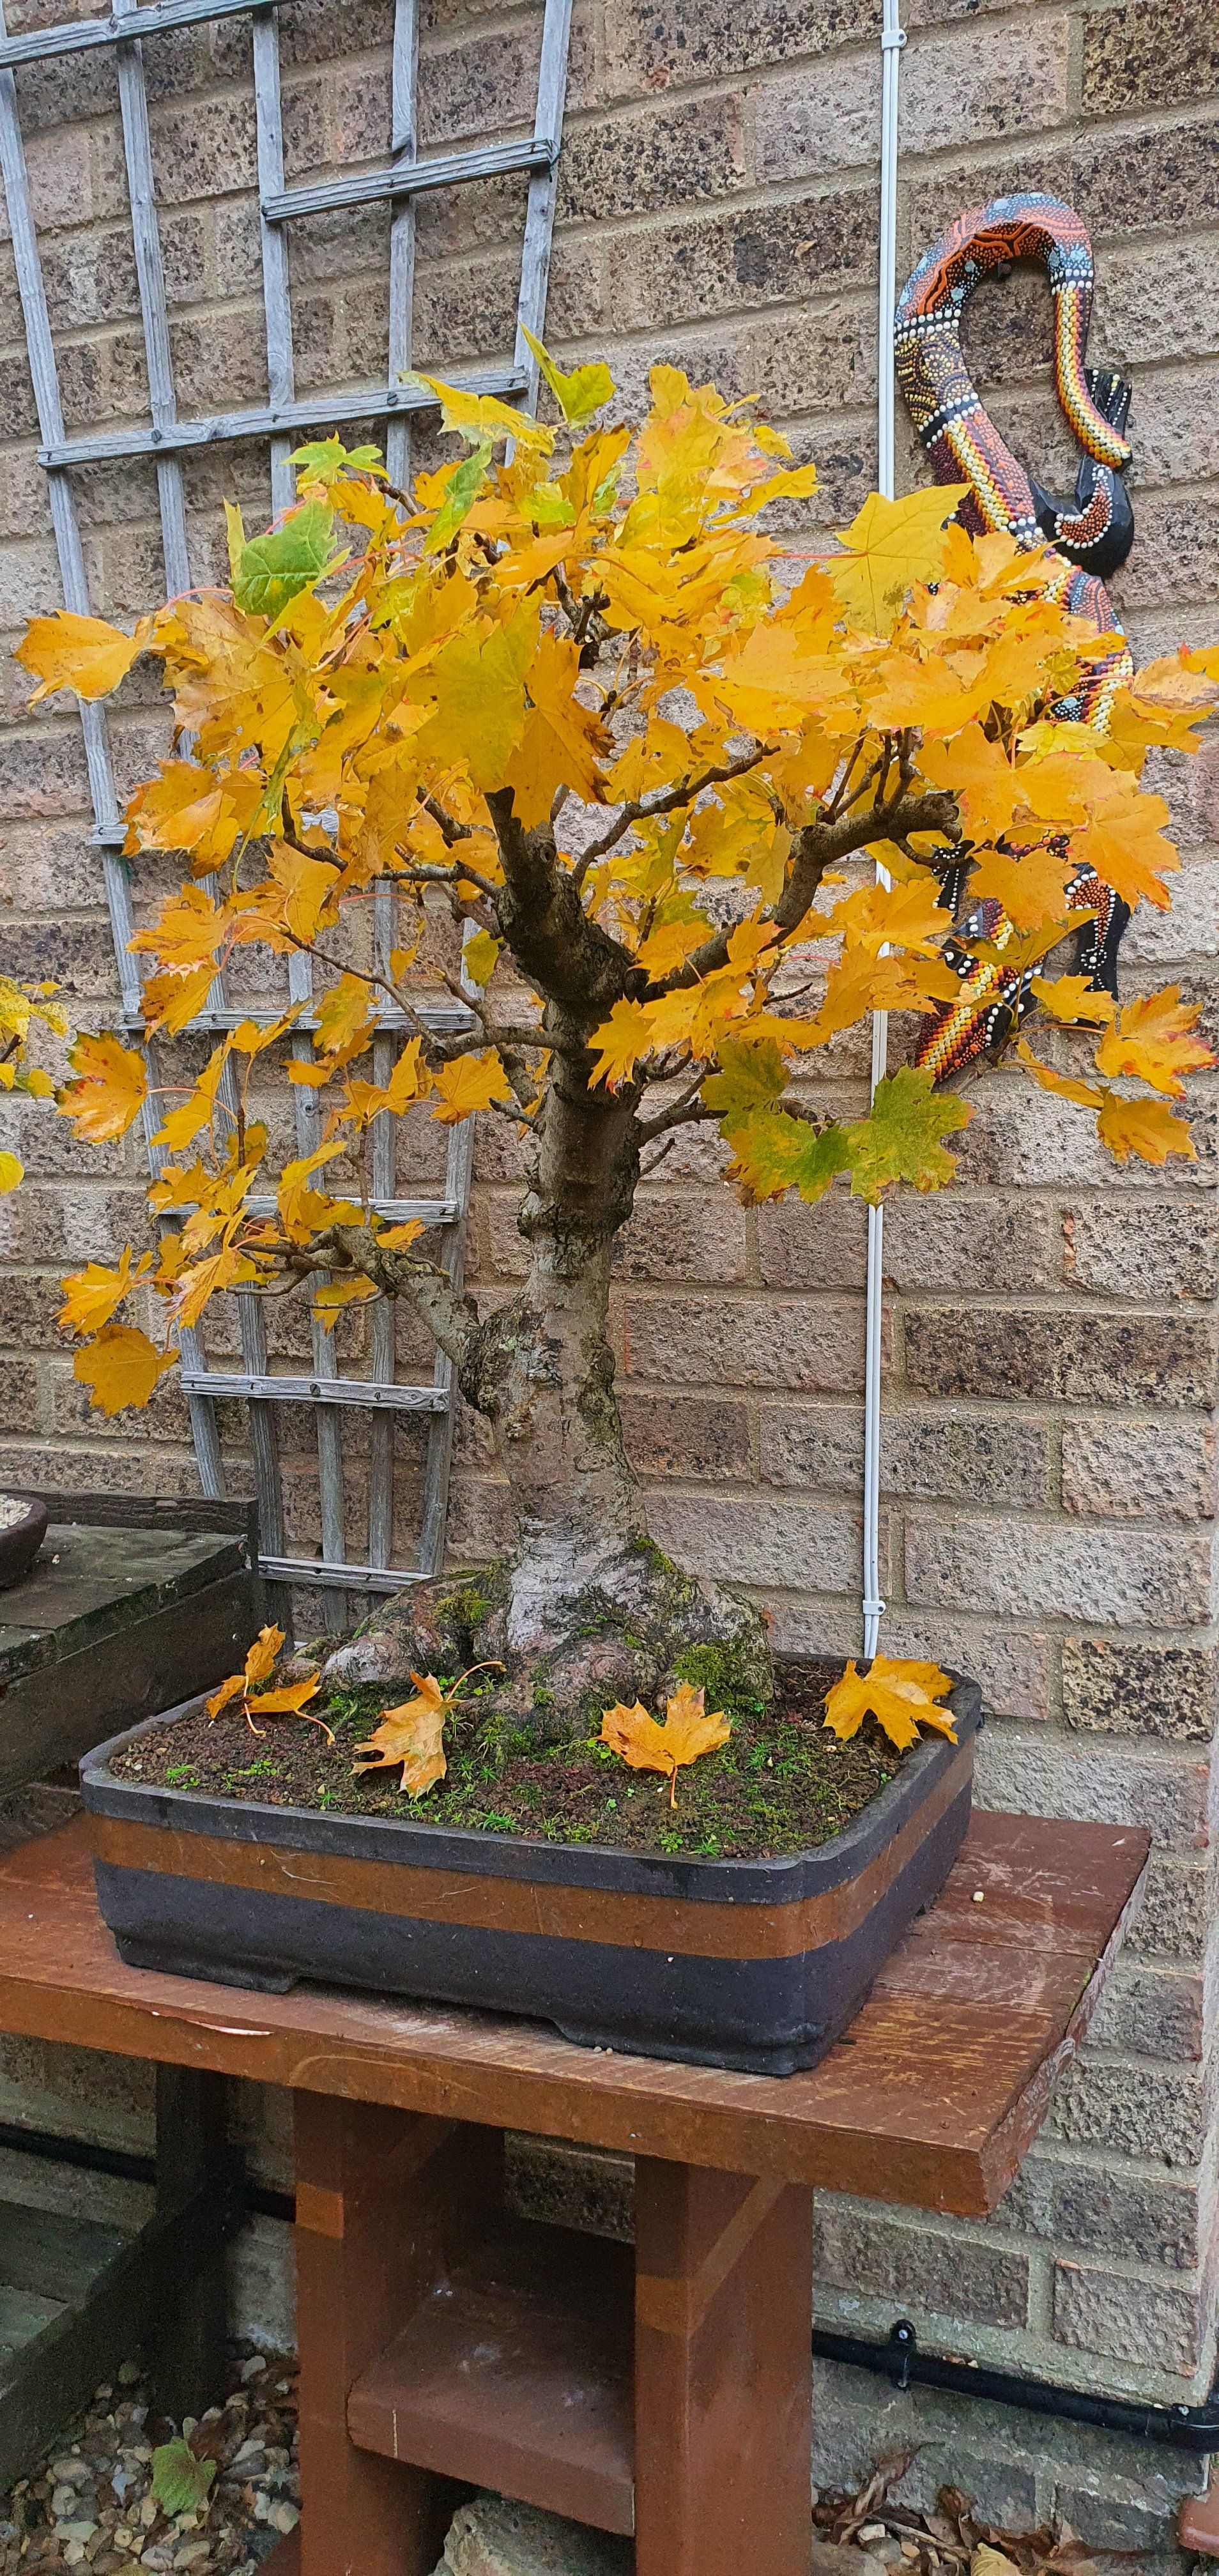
{"type": "Point", "coordinates": [586, 1610]}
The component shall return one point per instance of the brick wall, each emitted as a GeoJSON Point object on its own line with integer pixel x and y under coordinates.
{"type": "Point", "coordinates": [1048, 1455]}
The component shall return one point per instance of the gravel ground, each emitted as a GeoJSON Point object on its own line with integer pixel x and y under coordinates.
{"type": "Point", "coordinates": [89, 2503]}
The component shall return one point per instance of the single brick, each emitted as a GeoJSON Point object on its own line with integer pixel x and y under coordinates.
{"type": "Point", "coordinates": [1152, 302]}
{"type": "Point", "coordinates": [1037, 1772]}
{"type": "Point", "coordinates": [1125, 184]}
{"type": "Point", "coordinates": [206, 149]}
{"type": "Point", "coordinates": [988, 1244]}
{"type": "Point", "coordinates": [1165, 1249]}
{"type": "Point", "coordinates": [1011, 1668]}
{"type": "Point", "coordinates": [979, 1457]}
{"type": "Point", "coordinates": [1139, 1470]}
{"type": "Point", "coordinates": [1125, 2514]}
{"type": "Point", "coordinates": [1152, 2323]}
{"type": "Point", "coordinates": [1158, 2114]}
{"type": "Point", "coordinates": [634, 165]}
{"type": "Point", "coordinates": [1181, 533]}
{"type": "Point", "coordinates": [1136, 2218]}
{"type": "Point", "coordinates": [824, 1246]}
{"type": "Point", "coordinates": [721, 263]}
{"type": "Point", "coordinates": [1150, 1578]}
{"type": "Point", "coordinates": [877, 2257]}
{"type": "Point", "coordinates": [824, 361]}
{"type": "Point", "coordinates": [1151, 2012]}
{"type": "Point", "coordinates": [1166, 1691]}
{"type": "Point", "coordinates": [1148, 54]}
{"type": "Point", "coordinates": [650, 45]}
{"type": "Point", "coordinates": [974, 82]}
{"type": "Point", "coordinates": [672, 1235]}
{"type": "Point", "coordinates": [1177, 1909]}
{"type": "Point", "coordinates": [689, 1436]}
{"type": "Point", "coordinates": [1036, 1351]}
{"type": "Point", "coordinates": [818, 122]}
{"type": "Point", "coordinates": [769, 1539]}
{"type": "Point", "coordinates": [813, 1343]}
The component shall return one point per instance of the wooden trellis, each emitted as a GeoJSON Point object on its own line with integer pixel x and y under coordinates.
{"type": "Point", "coordinates": [167, 440]}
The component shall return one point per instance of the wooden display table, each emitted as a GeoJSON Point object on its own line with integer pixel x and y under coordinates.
{"type": "Point", "coordinates": [444, 2345]}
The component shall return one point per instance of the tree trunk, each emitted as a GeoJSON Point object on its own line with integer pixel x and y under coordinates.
{"type": "Point", "coordinates": [586, 1610]}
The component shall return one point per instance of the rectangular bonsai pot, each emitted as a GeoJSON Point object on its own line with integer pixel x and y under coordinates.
{"type": "Point", "coordinates": [751, 1964]}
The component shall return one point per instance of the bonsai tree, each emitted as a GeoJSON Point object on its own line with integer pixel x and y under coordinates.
{"type": "Point", "coordinates": [564, 698]}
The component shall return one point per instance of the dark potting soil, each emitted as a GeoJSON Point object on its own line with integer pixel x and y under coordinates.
{"type": "Point", "coordinates": [782, 1783]}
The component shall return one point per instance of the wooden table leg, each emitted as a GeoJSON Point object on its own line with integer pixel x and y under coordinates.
{"type": "Point", "coordinates": [189, 2340]}
{"type": "Point", "coordinates": [723, 2373]}
{"type": "Point", "coordinates": [379, 2196]}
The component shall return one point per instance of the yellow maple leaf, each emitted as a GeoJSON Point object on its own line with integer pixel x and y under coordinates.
{"type": "Point", "coordinates": [478, 957]}
{"type": "Point", "coordinates": [887, 548]}
{"type": "Point", "coordinates": [687, 1732]}
{"type": "Point", "coordinates": [110, 1090]}
{"type": "Point", "coordinates": [1086, 1095]}
{"type": "Point", "coordinates": [469, 1083]}
{"type": "Point", "coordinates": [1153, 1039]}
{"type": "Point", "coordinates": [1143, 1127]}
{"type": "Point", "coordinates": [900, 1694]}
{"type": "Point", "coordinates": [1031, 889]}
{"type": "Point", "coordinates": [1071, 998]}
{"type": "Point", "coordinates": [561, 741]}
{"type": "Point", "coordinates": [302, 1210]}
{"type": "Point", "coordinates": [121, 1367]}
{"type": "Point", "coordinates": [12, 1173]}
{"type": "Point", "coordinates": [260, 1661]}
{"type": "Point", "coordinates": [478, 680]}
{"type": "Point", "coordinates": [412, 1734]}
{"type": "Point", "coordinates": [334, 1295]}
{"type": "Point", "coordinates": [479, 416]}
{"type": "Point", "coordinates": [82, 653]}
{"type": "Point", "coordinates": [343, 1016]}
{"type": "Point", "coordinates": [94, 1294]}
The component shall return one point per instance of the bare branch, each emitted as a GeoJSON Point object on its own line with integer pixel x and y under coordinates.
{"type": "Point", "coordinates": [819, 846]}
{"type": "Point", "coordinates": [680, 1111]}
{"type": "Point", "coordinates": [453, 1317]}
{"type": "Point", "coordinates": [645, 809]}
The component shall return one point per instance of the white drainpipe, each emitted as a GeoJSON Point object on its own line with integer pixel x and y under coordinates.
{"type": "Point", "coordinates": [892, 40]}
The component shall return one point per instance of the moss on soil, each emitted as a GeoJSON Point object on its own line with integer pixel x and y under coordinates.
{"type": "Point", "coordinates": [782, 1783]}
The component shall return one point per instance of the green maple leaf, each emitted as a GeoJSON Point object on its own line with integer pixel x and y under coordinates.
{"type": "Point", "coordinates": [180, 2482]}
{"type": "Point", "coordinates": [752, 1074]}
{"type": "Point", "coordinates": [271, 570]}
{"type": "Point", "coordinates": [585, 391]}
{"type": "Point", "coordinates": [773, 1152]}
{"type": "Point", "coordinates": [326, 460]}
{"type": "Point", "coordinates": [887, 548]}
{"type": "Point", "coordinates": [900, 1140]}
{"type": "Point", "coordinates": [461, 492]}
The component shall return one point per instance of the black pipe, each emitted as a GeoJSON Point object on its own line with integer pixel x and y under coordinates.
{"type": "Point", "coordinates": [899, 2359]}
{"type": "Point", "coordinates": [123, 2166]}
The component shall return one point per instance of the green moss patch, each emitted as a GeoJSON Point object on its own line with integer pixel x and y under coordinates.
{"type": "Point", "coordinates": [781, 1784]}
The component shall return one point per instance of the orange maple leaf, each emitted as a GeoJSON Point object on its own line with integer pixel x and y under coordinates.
{"type": "Point", "coordinates": [685, 1735]}
{"type": "Point", "coordinates": [1153, 1039]}
{"type": "Point", "coordinates": [110, 1091]}
{"type": "Point", "coordinates": [1143, 1127]}
{"type": "Point", "coordinates": [471, 1082]}
{"type": "Point", "coordinates": [94, 1294]}
{"type": "Point", "coordinates": [900, 1694]}
{"type": "Point", "coordinates": [289, 1699]}
{"type": "Point", "coordinates": [121, 1367]}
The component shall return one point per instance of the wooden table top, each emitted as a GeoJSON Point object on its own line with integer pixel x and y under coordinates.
{"type": "Point", "coordinates": [932, 2097]}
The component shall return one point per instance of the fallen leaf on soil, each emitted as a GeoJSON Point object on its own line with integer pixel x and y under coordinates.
{"type": "Point", "coordinates": [686, 1734]}
{"type": "Point", "coordinates": [901, 1696]}
{"type": "Point", "coordinates": [288, 1700]}
{"type": "Point", "coordinates": [412, 1734]}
